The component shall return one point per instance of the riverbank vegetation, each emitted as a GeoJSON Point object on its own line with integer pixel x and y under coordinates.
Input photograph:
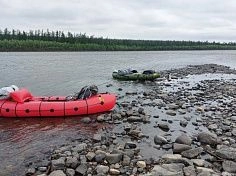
{"type": "Point", "coordinates": [39, 40]}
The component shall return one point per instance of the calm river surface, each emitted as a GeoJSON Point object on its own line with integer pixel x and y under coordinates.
{"type": "Point", "coordinates": [62, 73]}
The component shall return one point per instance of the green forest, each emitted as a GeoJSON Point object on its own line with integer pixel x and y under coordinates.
{"type": "Point", "coordinates": [40, 40]}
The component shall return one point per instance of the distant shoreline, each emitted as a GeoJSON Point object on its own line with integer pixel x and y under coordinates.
{"type": "Point", "coordinates": [50, 41]}
{"type": "Point", "coordinates": [54, 46]}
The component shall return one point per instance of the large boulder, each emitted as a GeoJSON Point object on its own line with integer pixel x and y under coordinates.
{"type": "Point", "coordinates": [229, 166]}
{"type": "Point", "coordinates": [192, 153]}
{"type": "Point", "coordinates": [228, 153]}
{"type": "Point", "coordinates": [207, 138]}
{"type": "Point", "coordinates": [183, 139]}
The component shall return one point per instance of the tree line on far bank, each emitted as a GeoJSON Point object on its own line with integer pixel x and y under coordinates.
{"type": "Point", "coordinates": [40, 40]}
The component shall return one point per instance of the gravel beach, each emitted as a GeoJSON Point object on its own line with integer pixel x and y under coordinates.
{"type": "Point", "coordinates": [182, 124]}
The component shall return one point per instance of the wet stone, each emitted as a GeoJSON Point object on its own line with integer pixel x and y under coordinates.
{"type": "Point", "coordinates": [126, 160]}
{"type": "Point", "coordinates": [213, 126]}
{"type": "Point", "coordinates": [79, 148]}
{"type": "Point", "coordinates": [198, 162]}
{"type": "Point", "coordinates": [171, 113]}
{"type": "Point", "coordinates": [130, 145]}
{"type": "Point", "coordinates": [195, 124]}
{"type": "Point", "coordinates": [57, 173]}
{"type": "Point", "coordinates": [178, 148]}
{"type": "Point", "coordinates": [205, 170]}
{"type": "Point", "coordinates": [207, 138]}
{"type": "Point", "coordinates": [158, 147]}
{"type": "Point", "coordinates": [134, 119]}
{"type": "Point", "coordinates": [127, 127]}
{"type": "Point", "coordinates": [183, 123]}
{"type": "Point", "coordinates": [184, 139]}
{"type": "Point", "coordinates": [187, 118]}
{"type": "Point", "coordinates": [167, 169]}
{"type": "Point", "coordinates": [70, 172]}
{"type": "Point", "coordinates": [42, 169]}
{"type": "Point", "coordinates": [141, 111]}
{"type": "Point", "coordinates": [100, 157]}
{"type": "Point", "coordinates": [171, 157]}
{"type": "Point", "coordinates": [42, 175]}
{"type": "Point", "coordinates": [97, 137]}
{"type": "Point", "coordinates": [86, 120]}
{"type": "Point", "coordinates": [114, 171]}
{"type": "Point", "coordinates": [159, 140]}
{"type": "Point", "coordinates": [229, 166]}
{"type": "Point", "coordinates": [58, 164]}
{"type": "Point", "coordinates": [173, 106]}
{"type": "Point", "coordinates": [233, 132]}
{"type": "Point", "coordinates": [189, 171]}
{"type": "Point", "coordinates": [167, 146]}
{"type": "Point", "coordinates": [71, 162]}
{"type": "Point", "coordinates": [82, 169]}
{"type": "Point", "coordinates": [30, 171]}
{"type": "Point", "coordinates": [113, 158]}
{"type": "Point", "coordinates": [101, 169]}
{"type": "Point", "coordinates": [192, 153]}
{"type": "Point", "coordinates": [100, 118]}
{"type": "Point", "coordinates": [233, 118]}
{"type": "Point", "coordinates": [181, 111]}
{"type": "Point", "coordinates": [116, 116]}
{"type": "Point", "coordinates": [90, 156]}
{"type": "Point", "coordinates": [228, 153]}
{"type": "Point", "coordinates": [164, 126]}
{"type": "Point", "coordinates": [141, 164]}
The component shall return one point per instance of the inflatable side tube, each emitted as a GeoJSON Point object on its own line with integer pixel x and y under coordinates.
{"type": "Point", "coordinates": [1, 103]}
{"type": "Point", "coordinates": [101, 103]}
{"type": "Point", "coordinates": [57, 98]}
{"type": "Point", "coordinates": [28, 109]}
{"type": "Point", "coordinates": [51, 109]}
{"type": "Point", "coordinates": [74, 108]}
{"type": "Point", "coordinates": [9, 109]}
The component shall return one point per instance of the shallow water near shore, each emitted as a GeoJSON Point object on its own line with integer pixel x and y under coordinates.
{"type": "Point", "coordinates": [26, 140]}
{"type": "Point", "coordinates": [175, 129]}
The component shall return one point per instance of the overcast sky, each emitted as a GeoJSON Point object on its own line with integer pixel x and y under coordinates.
{"type": "Point", "coordinates": [212, 20]}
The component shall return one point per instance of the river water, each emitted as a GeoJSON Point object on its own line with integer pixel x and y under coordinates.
{"type": "Point", "coordinates": [62, 73]}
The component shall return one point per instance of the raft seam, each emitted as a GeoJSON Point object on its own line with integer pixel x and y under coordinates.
{"type": "Point", "coordinates": [40, 109]}
{"type": "Point", "coordinates": [1, 107]}
{"type": "Point", "coordinates": [64, 109]}
{"type": "Point", "coordinates": [15, 109]}
{"type": "Point", "coordinates": [87, 105]}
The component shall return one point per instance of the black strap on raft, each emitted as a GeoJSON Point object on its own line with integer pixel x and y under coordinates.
{"type": "Point", "coordinates": [148, 72]}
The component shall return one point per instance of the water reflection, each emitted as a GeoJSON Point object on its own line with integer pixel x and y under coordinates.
{"type": "Point", "coordinates": [23, 140]}
{"type": "Point", "coordinates": [17, 129]}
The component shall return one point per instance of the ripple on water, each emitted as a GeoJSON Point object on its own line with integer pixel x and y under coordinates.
{"type": "Point", "coordinates": [29, 139]}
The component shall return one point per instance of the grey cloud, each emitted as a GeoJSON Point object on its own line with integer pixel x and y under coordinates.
{"type": "Point", "coordinates": [142, 19]}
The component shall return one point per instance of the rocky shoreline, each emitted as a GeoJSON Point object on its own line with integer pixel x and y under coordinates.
{"type": "Point", "coordinates": [182, 124]}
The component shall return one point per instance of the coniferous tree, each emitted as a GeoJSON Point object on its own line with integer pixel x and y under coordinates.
{"type": "Point", "coordinates": [38, 40]}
